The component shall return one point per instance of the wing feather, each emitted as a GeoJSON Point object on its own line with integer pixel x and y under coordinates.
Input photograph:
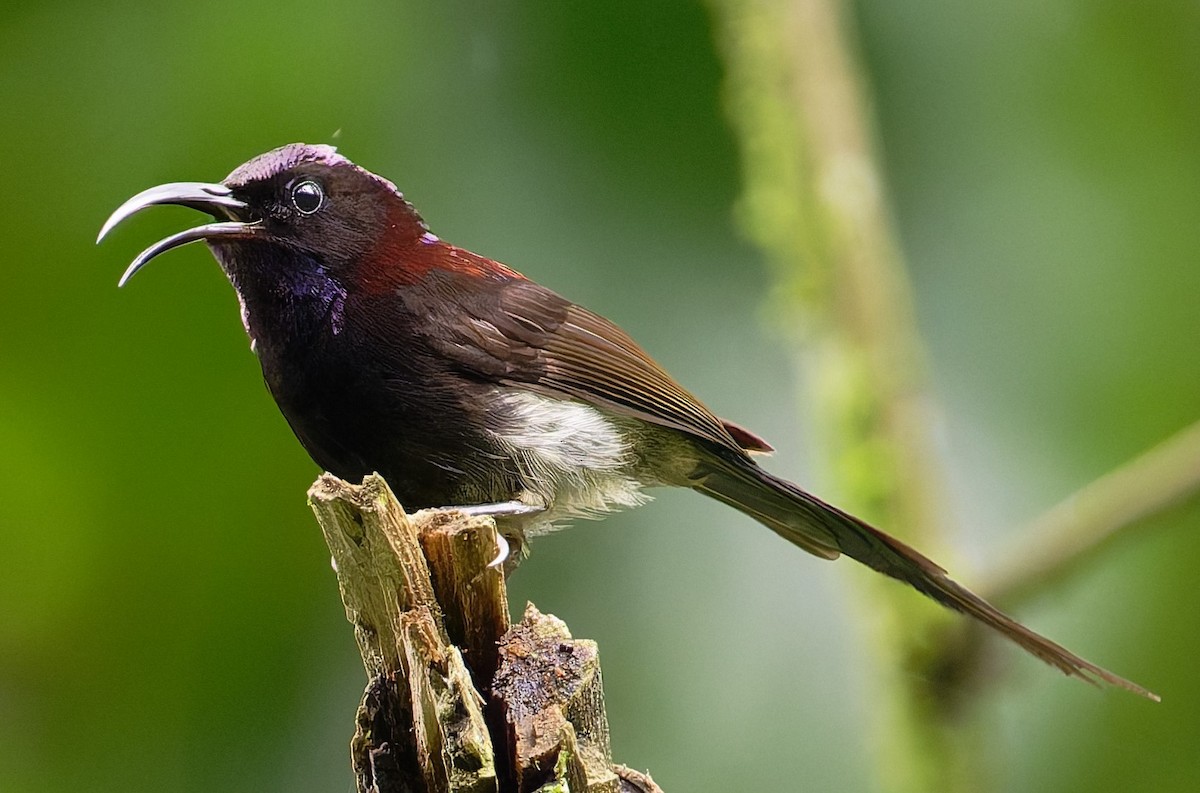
{"type": "Point", "coordinates": [534, 338]}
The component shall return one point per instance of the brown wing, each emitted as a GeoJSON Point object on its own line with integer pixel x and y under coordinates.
{"type": "Point", "coordinates": [590, 358]}
{"type": "Point", "coordinates": [535, 338]}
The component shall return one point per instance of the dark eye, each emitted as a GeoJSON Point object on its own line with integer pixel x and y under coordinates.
{"type": "Point", "coordinates": [307, 197]}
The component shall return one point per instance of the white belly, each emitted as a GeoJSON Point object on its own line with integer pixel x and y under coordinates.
{"type": "Point", "coordinates": [571, 455]}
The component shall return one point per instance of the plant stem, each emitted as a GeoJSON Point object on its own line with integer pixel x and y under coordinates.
{"type": "Point", "coordinates": [1058, 542]}
{"type": "Point", "coordinates": [814, 201]}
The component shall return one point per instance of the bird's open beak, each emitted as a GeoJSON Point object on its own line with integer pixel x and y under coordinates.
{"type": "Point", "coordinates": [215, 199]}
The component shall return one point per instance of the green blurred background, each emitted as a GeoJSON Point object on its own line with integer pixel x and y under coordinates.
{"type": "Point", "coordinates": [168, 619]}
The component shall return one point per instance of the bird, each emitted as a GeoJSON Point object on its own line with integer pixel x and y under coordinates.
{"type": "Point", "coordinates": [467, 385]}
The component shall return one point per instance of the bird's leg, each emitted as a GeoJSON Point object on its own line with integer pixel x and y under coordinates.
{"type": "Point", "coordinates": [505, 511]}
{"type": "Point", "coordinates": [501, 509]}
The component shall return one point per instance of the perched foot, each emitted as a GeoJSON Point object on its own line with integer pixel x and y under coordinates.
{"type": "Point", "coordinates": [501, 509]}
{"type": "Point", "coordinates": [505, 511]}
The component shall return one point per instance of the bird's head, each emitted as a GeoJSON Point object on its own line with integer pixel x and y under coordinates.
{"type": "Point", "coordinates": [299, 206]}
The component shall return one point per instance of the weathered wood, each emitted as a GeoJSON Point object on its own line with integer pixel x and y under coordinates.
{"type": "Point", "coordinates": [454, 749]}
{"type": "Point", "coordinates": [421, 724]}
{"type": "Point", "coordinates": [549, 691]}
{"type": "Point", "coordinates": [473, 597]}
{"type": "Point", "coordinates": [377, 556]}
{"type": "Point", "coordinates": [635, 781]}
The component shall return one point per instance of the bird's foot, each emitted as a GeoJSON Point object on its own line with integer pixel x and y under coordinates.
{"type": "Point", "coordinates": [501, 509]}
{"type": "Point", "coordinates": [527, 504]}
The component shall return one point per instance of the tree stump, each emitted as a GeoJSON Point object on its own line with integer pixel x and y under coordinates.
{"type": "Point", "coordinates": [457, 700]}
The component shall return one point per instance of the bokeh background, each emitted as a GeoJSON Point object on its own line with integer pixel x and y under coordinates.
{"type": "Point", "coordinates": [168, 619]}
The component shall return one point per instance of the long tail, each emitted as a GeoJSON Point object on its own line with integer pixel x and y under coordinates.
{"type": "Point", "coordinates": [827, 531]}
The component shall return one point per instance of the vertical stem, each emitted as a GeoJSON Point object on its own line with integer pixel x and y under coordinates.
{"type": "Point", "coordinates": [814, 202]}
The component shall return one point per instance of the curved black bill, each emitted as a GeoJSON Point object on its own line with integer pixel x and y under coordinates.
{"type": "Point", "coordinates": [215, 199]}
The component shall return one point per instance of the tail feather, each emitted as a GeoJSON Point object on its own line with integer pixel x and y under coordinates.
{"type": "Point", "coordinates": [826, 531]}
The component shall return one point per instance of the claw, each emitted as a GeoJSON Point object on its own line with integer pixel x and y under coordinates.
{"type": "Point", "coordinates": [503, 509]}
{"type": "Point", "coordinates": [502, 551]}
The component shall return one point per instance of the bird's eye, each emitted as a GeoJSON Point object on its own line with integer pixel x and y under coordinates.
{"type": "Point", "coordinates": [307, 197]}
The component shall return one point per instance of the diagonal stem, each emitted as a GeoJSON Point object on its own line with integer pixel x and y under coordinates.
{"type": "Point", "coordinates": [1065, 537]}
